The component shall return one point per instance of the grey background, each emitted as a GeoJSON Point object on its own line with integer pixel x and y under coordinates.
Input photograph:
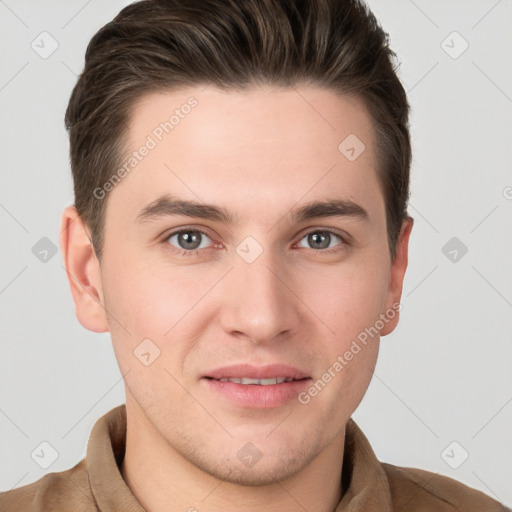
{"type": "Point", "coordinates": [444, 375]}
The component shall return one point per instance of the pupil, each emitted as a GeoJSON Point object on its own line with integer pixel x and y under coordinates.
{"type": "Point", "coordinates": [316, 237]}
{"type": "Point", "coordinates": [186, 238]}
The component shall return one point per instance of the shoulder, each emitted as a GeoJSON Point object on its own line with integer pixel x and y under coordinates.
{"type": "Point", "coordinates": [424, 491]}
{"type": "Point", "coordinates": [58, 492]}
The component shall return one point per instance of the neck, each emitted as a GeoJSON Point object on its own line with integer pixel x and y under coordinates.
{"type": "Point", "coordinates": [163, 480]}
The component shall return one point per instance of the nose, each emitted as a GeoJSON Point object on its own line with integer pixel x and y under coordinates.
{"type": "Point", "coordinates": [258, 300]}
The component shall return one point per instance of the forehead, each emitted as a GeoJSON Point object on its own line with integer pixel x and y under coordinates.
{"type": "Point", "coordinates": [254, 115]}
{"type": "Point", "coordinates": [260, 147]}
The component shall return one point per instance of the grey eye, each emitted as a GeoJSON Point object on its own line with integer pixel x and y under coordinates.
{"type": "Point", "coordinates": [189, 239]}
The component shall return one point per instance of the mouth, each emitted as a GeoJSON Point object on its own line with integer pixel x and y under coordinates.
{"type": "Point", "coordinates": [247, 381]}
{"type": "Point", "coordinates": [262, 375]}
{"type": "Point", "coordinates": [254, 387]}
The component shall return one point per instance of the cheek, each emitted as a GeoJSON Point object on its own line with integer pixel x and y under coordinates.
{"type": "Point", "coordinates": [163, 304]}
{"type": "Point", "coordinates": [347, 300]}
{"type": "Point", "coordinates": [148, 314]}
{"type": "Point", "coordinates": [349, 303]}
{"type": "Point", "coordinates": [150, 301]}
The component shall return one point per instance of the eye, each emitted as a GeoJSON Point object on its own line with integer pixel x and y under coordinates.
{"type": "Point", "coordinates": [187, 241]}
{"type": "Point", "coordinates": [321, 240]}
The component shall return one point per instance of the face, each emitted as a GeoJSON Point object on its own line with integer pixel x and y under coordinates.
{"type": "Point", "coordinates": [263, 285]}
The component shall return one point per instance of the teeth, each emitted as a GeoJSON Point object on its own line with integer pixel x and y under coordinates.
{"type": "Point", "coordinates": [275, 380]}
{"type": "Point", "coordinates": [261, 382]}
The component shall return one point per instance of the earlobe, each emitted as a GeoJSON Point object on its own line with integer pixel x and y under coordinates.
{"type": "Point", "coordinates": [83, 271]}
{"type": "Point", "coordinates": [398, 268]}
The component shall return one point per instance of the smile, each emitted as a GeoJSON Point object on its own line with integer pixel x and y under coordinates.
{"type": "Point", "coordinates": [260, 382]}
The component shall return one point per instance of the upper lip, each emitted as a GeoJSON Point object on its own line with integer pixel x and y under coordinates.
{"type": "Point", "coordinates": [257, 372]}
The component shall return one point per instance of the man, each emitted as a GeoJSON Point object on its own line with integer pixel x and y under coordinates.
{"type": "Point", "coordinates": [240, 227]}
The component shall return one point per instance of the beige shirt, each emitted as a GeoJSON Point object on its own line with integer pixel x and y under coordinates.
{"type": "Point", "coordinates": [96, 483]}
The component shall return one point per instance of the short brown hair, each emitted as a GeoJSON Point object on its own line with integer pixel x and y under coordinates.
{"type": "Point", "coordinates": [155, 45]}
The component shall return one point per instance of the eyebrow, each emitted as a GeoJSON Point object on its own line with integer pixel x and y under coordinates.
{"type": "Point", "coordinates": [167, 205]}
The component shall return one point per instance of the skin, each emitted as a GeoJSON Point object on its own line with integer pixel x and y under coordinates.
{"type": "Point", "coordinates": [259, 154]}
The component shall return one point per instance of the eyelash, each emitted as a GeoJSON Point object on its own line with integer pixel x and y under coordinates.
{"type": "Point", "coordinates": [194, 252]}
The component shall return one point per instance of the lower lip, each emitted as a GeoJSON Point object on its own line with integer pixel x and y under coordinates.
{"type": "Point", "coordinates": [257, 396]}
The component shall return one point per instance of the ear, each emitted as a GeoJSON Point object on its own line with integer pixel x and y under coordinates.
{"type": "Point", "coordinates": [398, 268]}
{"type": "Point", "coordinates": [83, 271]}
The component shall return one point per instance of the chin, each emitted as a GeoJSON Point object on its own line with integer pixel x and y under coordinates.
{"type": "Point", "coordinates": [262, 473]}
